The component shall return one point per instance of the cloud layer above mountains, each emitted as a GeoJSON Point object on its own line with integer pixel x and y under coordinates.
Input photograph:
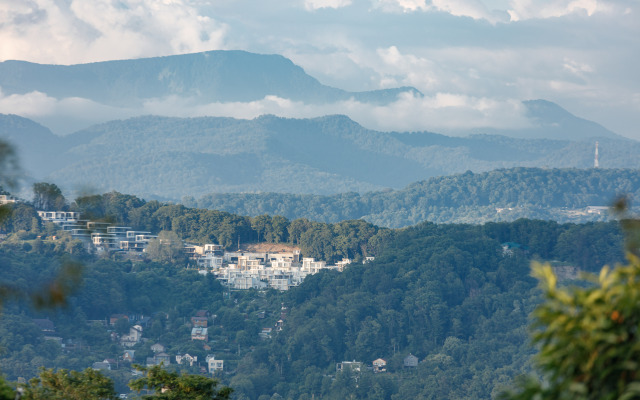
{"type": "Point", "coordinates": [474, 60]}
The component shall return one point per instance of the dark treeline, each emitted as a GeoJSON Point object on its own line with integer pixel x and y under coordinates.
{"type": "Point", "coordinates": [353, 239]}
{"type": "Point", "coordinates": [330, 242]}
{"type": "Point", "coordinates": [584, 244]}
{"type": "Point", "coordinates": [464, 197]}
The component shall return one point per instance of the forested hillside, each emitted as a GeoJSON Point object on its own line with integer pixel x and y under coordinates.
{"type": "Point", "coordinates": [501, 195]}
{"type": "Point", "coordinates": [449, 294]}
{"type": "Point", "coordinates": [445, 294]}
{"type": "Point", "coordinates": [169, 158]}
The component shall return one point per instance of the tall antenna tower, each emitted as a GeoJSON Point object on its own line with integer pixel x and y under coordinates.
{"type": "Point", "coordinates": [596, 163]}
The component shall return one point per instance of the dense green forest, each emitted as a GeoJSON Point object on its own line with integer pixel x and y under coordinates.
{"type": "Point", "coordinates": [448, 294]}
{"type": "Point", "coordinates": [464, 198]}
{"type": "Point", "coordinates": [444, 293]}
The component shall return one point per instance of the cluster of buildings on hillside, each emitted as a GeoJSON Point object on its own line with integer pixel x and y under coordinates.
{"type": "Point", "coordinates": [134, 337]}
{"type": "Point", "coordinates": [377, 366]}
{"type": "Point", "coordinates": [237, 270]}
{"type": "Point", "coordinates": [199, 332]}
{"type": "Point", "coordinates": [102, 236]}
{"type": "Point", "coordinates": [278, 270]}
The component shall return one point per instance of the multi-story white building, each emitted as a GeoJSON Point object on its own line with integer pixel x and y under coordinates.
{"type": "Point", "coordinates": [59, 217]}
{"type": "Point", "coordinates": [5, 199]}
{"type": "Point", "coordinates": [209, 261]}
{"type": "Point", "coordinates": [214, 365]}
{"type": "Point", "coordinates": [311, 266]}
{"type": "Point", "coordinates": [282, 273]}
{"type": "Point", "coordinates": [136, 241]}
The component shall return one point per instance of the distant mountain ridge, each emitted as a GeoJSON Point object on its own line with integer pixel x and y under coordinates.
{"type": "Point", "coordinates": [561, 195]}
{"type": "Point", "coordinates": [549, 120]}
{"type": "Point", "coordinates": [169, 158]}
{"type": "Point", "coordinates": [125, 88]}
{"type": "Point", "coordinates": [212, 76]}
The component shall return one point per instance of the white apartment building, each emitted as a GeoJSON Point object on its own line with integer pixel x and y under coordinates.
{"type": "Point", "coordinates": [59, 217]}
{"type": "Point", "coordinates": [4, 199]}
{"type": "Point", "coordinates": [214, 365]}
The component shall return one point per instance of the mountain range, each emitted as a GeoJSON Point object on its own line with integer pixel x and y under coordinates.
{"type": "Point", "coordinates": [86, 94]}
{"type": "Point", "coordinates": [212, 76]}
{"type": "Point", "coordinates": [168, 158]}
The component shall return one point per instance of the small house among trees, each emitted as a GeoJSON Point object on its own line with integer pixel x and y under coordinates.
{"type": "Point", "coordinates": [379, 365]}
{"type": "Point", "coordinates": [214, 365]}
{"type": "Point", "coordinates": [353, 366]}
{"type": "Point", "coordinates": [199, 321]}
{"type": "Point", "coordinates": [187, 358]}
{"type": "Point", "coordinates": [410, 361]}
{"type": "Point", "coordinates": [157, 348]}
{"type": "Point", "coordinates": [199, 333]}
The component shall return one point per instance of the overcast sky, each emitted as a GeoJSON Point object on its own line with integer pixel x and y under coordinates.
{"type": "Point", "coordinates": [474, 60]}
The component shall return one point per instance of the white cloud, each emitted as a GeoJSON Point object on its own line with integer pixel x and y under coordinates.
{"type": "Point", "coordinates": [475, 9]}
{"type": "Point", "coordinates": [317, 4]}
{"type": "Point", "coordinates": [464, 8]}
{"type": "Point", "coordinates": [441, 112]}
{"type": "Point", "coordinates": [76, 31]}
{"type": "Point", "coordinates": [61, 115]}
{"type": "Point", "coordinates": [28, 105]}
{"type": "Point", "coordinates": [502, 11]}
{"type": "Point", "coordinates": [578, 69]}
{"type": "Point", "coordinates": [415, 71]}
{"type": "Point", "coordinates": [528, 9]}
{"type": "Point", "coordinates": [444, 112]}
{"type": "Point", "coordinates": [401, 5]}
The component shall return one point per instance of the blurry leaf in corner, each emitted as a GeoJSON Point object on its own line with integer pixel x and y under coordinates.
{"type": "Point", "coordinates": [629, 224]}
{"type": "Point", "coordinates": [5, 212]}
{"type": "Point", "coordinates": [9, 169]}
{"type": "Point", "coordinates": [56, 292]}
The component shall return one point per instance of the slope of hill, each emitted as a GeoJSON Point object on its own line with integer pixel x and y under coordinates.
{"type": "Point", "coordinates": [223, 76]}
{"type": "Point", "coordinates": [508, 194]}
{"type": "Point", "coordinates": [447, 294]}
{"type": "Point", "coordinates": [175, 157]}
{"type": "Point", "coordinates": [39, 149]}
{"type": "Point", "coordinates": [548, 120]}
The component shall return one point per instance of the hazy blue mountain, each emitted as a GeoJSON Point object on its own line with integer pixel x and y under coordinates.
{"type": "Point", "coordinates": [175, 157]}
{"type": "Point", "coordinates": [221, 76]}
{"type": "Point", "coordinates": [232, 76]}
{"type": "Point", "coordinates": [38, 147]}
{"type": "Point", "coordinates": [549, 120]}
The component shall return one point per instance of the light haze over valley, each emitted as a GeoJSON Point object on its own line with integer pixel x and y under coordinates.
{"type": "Point", "coordinates": [319, 199]}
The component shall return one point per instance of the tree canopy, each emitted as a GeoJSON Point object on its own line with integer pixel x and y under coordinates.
{"type": "Point", "coordinates": [534, 193]}
{"type": "Point", "coordinates": [167, 385]}
{"type": "Point", "coordinates": [69, 385]}
{"type": "Point", "coordinates": [48, 197]}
